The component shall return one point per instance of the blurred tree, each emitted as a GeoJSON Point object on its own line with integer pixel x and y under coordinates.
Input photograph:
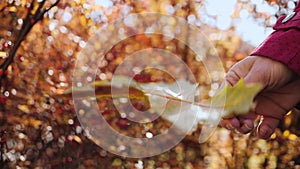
{"type": "Point", "coordinates": [18, 18]}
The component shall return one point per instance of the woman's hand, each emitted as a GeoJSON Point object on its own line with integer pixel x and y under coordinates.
{"type": "Point", "coordinates": [281, 92]}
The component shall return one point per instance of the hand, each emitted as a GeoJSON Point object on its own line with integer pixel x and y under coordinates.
{"type": "Point", "coordinates": [281, 92]}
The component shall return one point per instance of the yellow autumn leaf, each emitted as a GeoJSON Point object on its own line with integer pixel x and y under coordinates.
{"type": "Point", "coordinates": [236, 100]}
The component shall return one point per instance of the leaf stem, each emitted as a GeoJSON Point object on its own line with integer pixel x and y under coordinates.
{"type": "Point", "coordinates": [179, 100]}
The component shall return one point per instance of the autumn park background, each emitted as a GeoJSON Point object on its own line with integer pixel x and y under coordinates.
{"type": "Point", "coordinates": [40, 41]}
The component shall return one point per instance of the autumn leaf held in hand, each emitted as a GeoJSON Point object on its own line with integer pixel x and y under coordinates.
{"type": "Point", "coordinates": [236, 100]}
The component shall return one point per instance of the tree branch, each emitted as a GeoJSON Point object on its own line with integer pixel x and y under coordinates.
{"type": "Point", "coordinates": [30, 21]}
{"type": "Point", "coordinates": [46, 10]}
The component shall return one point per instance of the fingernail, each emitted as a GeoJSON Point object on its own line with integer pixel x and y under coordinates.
{"type": "Point", "coordinates": [229, 127]}
{"type": "Point", "coordinates": [247, 127]}
{"type": "Point", "coordinates": [263, 131]}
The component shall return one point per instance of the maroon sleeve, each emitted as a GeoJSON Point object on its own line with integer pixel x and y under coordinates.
{"type": "Point", "coordinates": [283, 44]}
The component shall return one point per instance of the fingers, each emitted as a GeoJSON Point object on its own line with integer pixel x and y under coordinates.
{"type": "Point", "coordinates": [247, 122]}
{"type": "Point", "coordinates": [264, 130]}
{"type": "Point", "coordinates": [243, 124]}
{"type": "Point", "coordinates": [238, 71]}
{"type": "Point", "coordinates": [232, 77]}
{"type": "Point", "coordinates": [230, 123]}
{"type": "Point", "coordinates": [267, 127]}
{"type": "Point", "coordinates": [274, 105]}
{"type": "Point", "coordinates": [280, 94]}
{"type": "Point", "coordinates": [271, 113]}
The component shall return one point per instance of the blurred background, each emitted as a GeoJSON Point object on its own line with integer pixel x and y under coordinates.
{"type": "Point", "coordinates": [40, 41]}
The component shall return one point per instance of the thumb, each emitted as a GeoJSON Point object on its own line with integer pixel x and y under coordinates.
{"type": "Point", "coordinates": [240, 70]}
